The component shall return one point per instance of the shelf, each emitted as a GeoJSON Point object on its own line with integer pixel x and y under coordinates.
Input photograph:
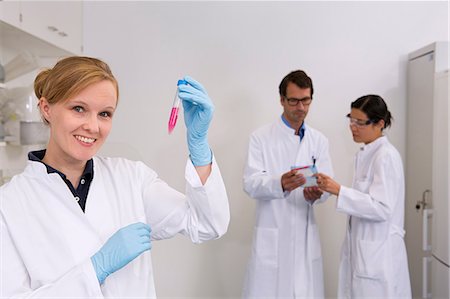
{"type": "Point", "coordinates": [9, 140]}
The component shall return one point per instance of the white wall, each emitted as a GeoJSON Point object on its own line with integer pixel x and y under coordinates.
{"type": "Point", "coordinates": [240, 51]}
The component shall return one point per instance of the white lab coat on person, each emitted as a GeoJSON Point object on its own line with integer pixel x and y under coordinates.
{"type": "Point", "coordinates": [47, 240]}
{"type": "Point", "coordinates": [286, 259]}
{"type": "Point", "coordinates": [373, 258]}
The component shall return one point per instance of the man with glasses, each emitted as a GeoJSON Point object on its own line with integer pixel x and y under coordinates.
{"type": "Point", "coordinates": [286, 259]}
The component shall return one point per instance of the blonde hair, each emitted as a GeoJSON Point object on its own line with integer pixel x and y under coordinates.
{"type": "Point", "coordinates": [70, 76]}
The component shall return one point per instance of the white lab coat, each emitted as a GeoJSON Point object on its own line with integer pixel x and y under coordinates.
{"type": "Point", "coordinates": [286, 259]}
{"type": "Point", "coordinates": [47, 240]}
{"type": "Point", "coordinates": [373, 258]}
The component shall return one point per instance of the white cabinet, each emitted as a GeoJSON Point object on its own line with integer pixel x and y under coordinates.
{"type": "Point", "coordinates": [59, 23]}
{"type": "Point", "coordinates": [427, 168]}
{"type": "Point", "coordinates": [56, 22]}
{"type": "Point", "coordinates": [47, 30]}
{"type": "Point", "coordinates": [440, 236]}
{"type": "Point", "coordinates": [10, 12]}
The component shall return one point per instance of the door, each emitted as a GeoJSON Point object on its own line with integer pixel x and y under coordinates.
{"type": "Point", "coordinates": [418, 168]}
{"type": "Point", "coordinates": [440, 235]}
{"type": "Point", "coordinates": [440, 281]}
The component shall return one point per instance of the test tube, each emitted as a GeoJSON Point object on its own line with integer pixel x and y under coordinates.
{"type": "Point", "coordinates": [175, 108]}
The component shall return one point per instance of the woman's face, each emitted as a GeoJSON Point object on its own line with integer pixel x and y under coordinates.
{"type": "Point", "coordinates": [362, 131]}
{"type": "Point", "coordinates": [80, 125]}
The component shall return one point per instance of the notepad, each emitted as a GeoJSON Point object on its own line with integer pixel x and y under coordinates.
{"type": "Point", "coordinates": [308, 172]}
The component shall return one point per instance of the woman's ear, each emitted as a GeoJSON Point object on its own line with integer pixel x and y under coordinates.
{"type": "Point", "coordinates": [380, 124]}
{"type": "Point", "coordinates": [44, 107]}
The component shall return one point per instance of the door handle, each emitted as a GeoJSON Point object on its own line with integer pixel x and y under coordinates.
{"type": "Point", "coordinates": [424, 203]}
{"type": "Point", "coordinates": [426, 260]}
{"type": "Point", "coordinates": [427, 213]}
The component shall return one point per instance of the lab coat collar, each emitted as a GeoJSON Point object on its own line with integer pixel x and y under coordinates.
{"type": "Point", "coordinates": [288, 130]}
{"type": "Point", "coordinates": [88, 171]}
{"type": "Point", "coordinates": [36, 168]}
{"type": "Point", "coordinates": [39, 169]}
{"type": "Point", "coordinates": [371, 147]}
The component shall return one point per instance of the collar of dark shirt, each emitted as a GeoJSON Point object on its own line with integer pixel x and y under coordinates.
{"type": "Point", "coordinates": [88, 172]}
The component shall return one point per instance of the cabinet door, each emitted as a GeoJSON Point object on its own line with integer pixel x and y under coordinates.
{"type": "Point", "coordinates": [419, 142]}
{"type": "Point", "coordinates": [10, 12]}
{"type": "Point", "coordinates": [441, 178]}
{"type": "Point", "coordinates": [57, 22]}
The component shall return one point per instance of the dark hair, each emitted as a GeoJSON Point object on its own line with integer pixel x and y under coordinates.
{"type": "Point", "coordinates": [375, 108]}
{"type": "Point", "coordinates": [299, 78]}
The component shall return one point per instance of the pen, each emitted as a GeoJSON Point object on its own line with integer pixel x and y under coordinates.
{"type": "Point", "coordinates": [314, 160]}
{"type": "Point", "coordinates": [175, 108]}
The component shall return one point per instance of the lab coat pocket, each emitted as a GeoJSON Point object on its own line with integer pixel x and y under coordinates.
{"type": "Point", "coordinates": [266, 245]}
{"type": "Point", "coordinates": [370, 259]}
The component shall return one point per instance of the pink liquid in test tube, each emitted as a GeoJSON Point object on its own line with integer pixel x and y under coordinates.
{"type": "Point", "coordinates": [173, 118]}
{"type": "Point", "coordinates": [175, 108]}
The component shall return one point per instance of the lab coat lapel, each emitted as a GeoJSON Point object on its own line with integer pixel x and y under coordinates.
{"type": "Point", "coordinates": [83, 238]}
{"type": "Point", "coordinates": [305, 150]}
{"type": "Point", "coordinates": [98, 210]}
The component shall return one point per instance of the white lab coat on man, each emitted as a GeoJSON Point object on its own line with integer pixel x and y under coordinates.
{"type": "Point", "coordinates": [373, 259]}
{"type": "Point", "coordinates": [47, 240]}
{"type": "Point", "coordinates": [286, 259]}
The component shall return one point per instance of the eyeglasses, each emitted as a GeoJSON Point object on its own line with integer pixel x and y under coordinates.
{"type": "Point", "coordinates": [359, 122]}
{"type": "Point", "coordinates": [294, 102]}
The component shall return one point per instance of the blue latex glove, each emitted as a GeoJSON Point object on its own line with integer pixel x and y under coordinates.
{"type": "Point", "coordinates": [198, 112]}
{"type": "Point", "coordinates": [121, 248]}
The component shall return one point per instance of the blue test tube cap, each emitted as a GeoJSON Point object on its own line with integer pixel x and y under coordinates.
{"type": "Point", "coordinates": [182, 82]}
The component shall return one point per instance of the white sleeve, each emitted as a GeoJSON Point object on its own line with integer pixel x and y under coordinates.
{"type": "Point", "coordinates": [257, 182]}
{"type": "Point", "coordinates": [377, 204]}
{"type": "Point", "coordinates": [79, 282]}
{"type": "Point", "coordinates": [202, 213]}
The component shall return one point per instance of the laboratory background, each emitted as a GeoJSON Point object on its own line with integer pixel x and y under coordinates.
{"type": "Point", "coordinates": [240, 51]}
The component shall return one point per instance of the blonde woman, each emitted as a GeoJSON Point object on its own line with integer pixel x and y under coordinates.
{"type": "Point", "coordinates": [81, 226]}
